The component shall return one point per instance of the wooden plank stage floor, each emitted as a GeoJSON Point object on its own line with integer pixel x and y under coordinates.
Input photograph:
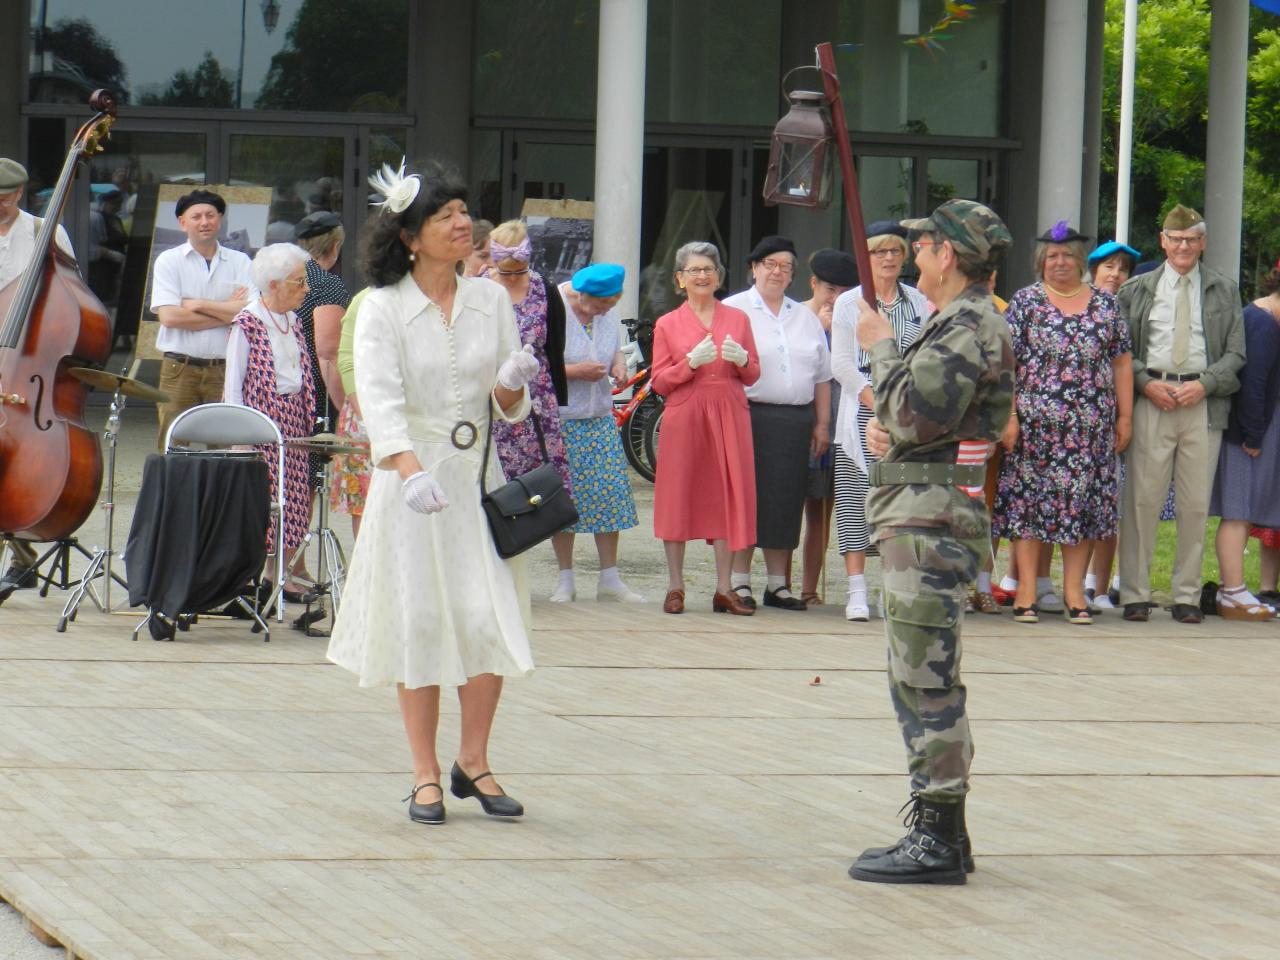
{"type": "Point", "coordinates": [691, 794]}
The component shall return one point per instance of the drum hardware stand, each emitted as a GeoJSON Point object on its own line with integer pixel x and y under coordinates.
{"type": "Point", "coordinates": [100, 560]}
{"type": "Point", "coordinates": [331, 562]}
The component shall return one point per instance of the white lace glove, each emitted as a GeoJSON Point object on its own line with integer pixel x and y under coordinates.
{"type": "Point", "coordinates": [519, 369]}
{"type": "Point", "coordinates": [422, 494]}
{"type": "Point", "coordinates": [704, 352]}
{"type": "Point", "coordinates": [734, 352]}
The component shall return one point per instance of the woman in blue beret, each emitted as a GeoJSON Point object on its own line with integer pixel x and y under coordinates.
{"type": "Point", "coordinates": [597, 465]}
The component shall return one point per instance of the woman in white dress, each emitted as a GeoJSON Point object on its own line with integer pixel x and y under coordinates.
{"type": "Point", "coordinates": [428, 601]}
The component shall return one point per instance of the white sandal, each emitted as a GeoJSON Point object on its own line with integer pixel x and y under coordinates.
{"type": "Point", "coordinates": [1243, 605]}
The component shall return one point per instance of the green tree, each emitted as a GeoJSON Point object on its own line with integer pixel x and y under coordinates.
{"type": "Point", "coordinates": [206, 86]}
{"type": "Point", "coordinates": [339, 55]}
{"type": "Point", "coordinates": [78, 43]}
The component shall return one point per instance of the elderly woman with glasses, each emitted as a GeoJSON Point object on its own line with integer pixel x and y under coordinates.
{"type": "Point", "coordinates": [906, 307]}
{"type": "Point", "coordinates": [705, 489]}
{"type": "Point", "coordinates": [1073, 410]}
{"type": "Point", "coordinates": [790, 407]}
{"type": "Point", "coordinates": [268, 370]}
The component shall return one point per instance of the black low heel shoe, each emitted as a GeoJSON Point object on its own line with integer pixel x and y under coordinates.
{"type": "Point", "coordinates": [425, 812]}
{"type": "Point", "coordinates": [497, 805]}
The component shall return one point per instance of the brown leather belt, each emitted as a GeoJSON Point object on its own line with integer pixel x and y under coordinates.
{"type": "Point", "coordinates": [194, 361]}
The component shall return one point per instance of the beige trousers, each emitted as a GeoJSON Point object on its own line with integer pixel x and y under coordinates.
{"type": "Point", "coordinates": [1177, 445]}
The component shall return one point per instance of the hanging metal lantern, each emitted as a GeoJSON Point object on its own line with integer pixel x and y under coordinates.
{"type": "Point", "coordinates": [270, 14]}
{"type": "Point", "coordinates": [800, 152]}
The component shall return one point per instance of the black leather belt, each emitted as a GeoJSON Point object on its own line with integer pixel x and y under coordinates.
{"type": "Point", "coordinates": [194, 361]}
{"type": "Point", "coordinates": [882, 474]}
{"type": "Point", "coordinates": [1176, 377]}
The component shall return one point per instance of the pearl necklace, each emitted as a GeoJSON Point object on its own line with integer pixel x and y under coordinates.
{"type": "Point", "coordinates": [1062, 293]}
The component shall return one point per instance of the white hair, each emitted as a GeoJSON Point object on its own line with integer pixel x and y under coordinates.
{"type": "Point", "coordinates": [275, 262]}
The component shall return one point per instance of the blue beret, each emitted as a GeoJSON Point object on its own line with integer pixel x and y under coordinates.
{"type": "Point", "coordinates": [600, 280]}
{"type": "Point", "coordinates": [1113, 246]}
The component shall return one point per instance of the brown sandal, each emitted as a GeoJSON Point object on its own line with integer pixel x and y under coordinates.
{"type": "Point", "coordinates": [985, 603]}
{"type": "Point", "coordinates": [674, 602]}
{"type": "Point", "coordinates": [810, 599]}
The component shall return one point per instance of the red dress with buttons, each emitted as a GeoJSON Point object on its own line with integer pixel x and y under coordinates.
{"type": "Point", "coordinates": [705, 487]}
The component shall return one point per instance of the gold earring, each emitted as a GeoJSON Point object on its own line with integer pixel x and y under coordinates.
{"type": "Point", "coordinates": [681, 284]}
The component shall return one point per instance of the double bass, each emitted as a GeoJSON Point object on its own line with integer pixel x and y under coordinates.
{"type": "Point", "coordinates": [50, 462]}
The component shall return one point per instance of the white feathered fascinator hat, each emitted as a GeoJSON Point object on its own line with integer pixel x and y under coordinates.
{"type": "Point", "coordinates": [397, 190]}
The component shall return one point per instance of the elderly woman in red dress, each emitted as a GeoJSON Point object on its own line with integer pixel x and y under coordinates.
{"type": "Point", "coordinates": [703, 357]}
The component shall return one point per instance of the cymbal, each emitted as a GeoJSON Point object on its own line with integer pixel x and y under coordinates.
{"type": "Point", "coordinates": [106, 380]}
{"type": "Point", "coordinates": [328, 443]}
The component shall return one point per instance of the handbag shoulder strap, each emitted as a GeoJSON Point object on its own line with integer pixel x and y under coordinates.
{"type": "Point", "coordinates": [488, 442]}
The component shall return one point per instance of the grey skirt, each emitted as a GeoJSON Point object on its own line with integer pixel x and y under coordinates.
{"type": "Point", "coordinates": [780, 435]}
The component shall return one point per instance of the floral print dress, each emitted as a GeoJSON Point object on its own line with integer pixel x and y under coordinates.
{"type": "Point", "coordinates": [1060, 483]}
{"type": "Point", "coordinates": [517, 443]}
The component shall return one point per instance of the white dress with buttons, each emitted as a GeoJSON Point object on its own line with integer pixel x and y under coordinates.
{"type": "Point", "coordinates": [428, 601]}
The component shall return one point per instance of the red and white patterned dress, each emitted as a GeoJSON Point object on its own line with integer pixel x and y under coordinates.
{"type": "Point", "coordinates": [293, 413]}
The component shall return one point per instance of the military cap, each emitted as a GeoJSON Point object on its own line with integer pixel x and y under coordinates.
{"type": "Point", "coordinates": [1061, 232]}
{"type": "Point", "coordinates": [315, 224]}
{"type": "Point", "coordinates": [973, 228]}
{"type": "Point", "coordinates": [195, 197]}
{"type": "Point", "coordinates": [600, 280]}
{"type": "Point", "coordinates": [834, 267]}
{"type": "Point", "coordinates": [1181, 218]}
{"type": "Point", "coordinates": [12, 175]}
{"type": "Point", "coordinates": [770, 245]}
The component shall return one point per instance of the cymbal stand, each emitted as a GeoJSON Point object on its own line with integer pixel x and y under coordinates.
{"type": "Point", "coordinates": [331, 562]}
{"type": "Point", "coordinates": [100, 560]}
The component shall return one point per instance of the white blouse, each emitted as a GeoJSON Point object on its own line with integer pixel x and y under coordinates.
{"type": "Point", "coordinates": [794, 356]}
{"type": "Point", "coordinates": [284, 349]}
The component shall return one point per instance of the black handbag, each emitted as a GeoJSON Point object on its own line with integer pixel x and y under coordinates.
{"type": "Point", "coordinates": [528, 509]}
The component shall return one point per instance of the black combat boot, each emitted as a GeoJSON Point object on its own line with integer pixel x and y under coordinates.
{"type": "Point", "coordinates": [929, 853]}
{"type": "Point", "coordinates": [966, 849]}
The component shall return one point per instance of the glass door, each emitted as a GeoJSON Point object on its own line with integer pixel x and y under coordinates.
{"type": "Point", "coordinates": [543, 167]}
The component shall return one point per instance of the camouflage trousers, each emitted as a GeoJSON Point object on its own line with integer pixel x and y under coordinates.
{"type": "Point", "coordinates": [925, 581]}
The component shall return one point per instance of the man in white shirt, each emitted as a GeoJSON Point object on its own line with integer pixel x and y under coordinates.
{"type": "Point", "coordinates": [1188, 347]}
{"type": "Point", "coordinates": [17, 243]}
{"type": "Point", "coordinates": [196, 291]}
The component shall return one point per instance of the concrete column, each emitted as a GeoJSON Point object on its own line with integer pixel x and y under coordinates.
{"type": "Point", "coordinates": [14, 50]}
{"type": "Point", "coordinates": [1090, 188]}
{"type": "Point", "coordinates": [1062, 112]}
{"type": "Point", "coordinates": [1224, 163]}
{"type": "Point", "coordinates": [441, 60]}
{"type": "Point", "coordinates": [620, 141]}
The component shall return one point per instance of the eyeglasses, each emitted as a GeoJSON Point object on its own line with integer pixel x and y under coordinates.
{"type": "Point", "coordinates": [919, 245]}
{"type": "Point", "coordinates": [512, 273]}
{"type": "Point", "coordinates": [700, 271]}
{"type": "Point", "coordinates": [884, 253]}
{"type": "Point", "coordinates": [1182, 240]}
{"type": "Point", "coordinates": [300, 282]}
{"type": "Point", "coordinates": [777, 266]}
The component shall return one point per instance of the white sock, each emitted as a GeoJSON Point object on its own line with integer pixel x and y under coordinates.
{"type": "Point", "coordinates": [609, 577]}
{"type": "Point", "coordinates": [858, 584]}
{"type": "Point", "coordinates": [1008, 584]}
{"type": "Point", "coordinates": [777, 582]}
{"type": "Point", "coordinates": [1091, 581]}
{"type": "Point", "coordinates": [984, 582]}
{"type": "Point", "coordinates": [1115, 582]}
{"type": "Point", "coordinates": [1044, 585]}
{"type": "Point", "coordinates": [566, 578]}
{"type": "Point", "coordinates": [737, 580]}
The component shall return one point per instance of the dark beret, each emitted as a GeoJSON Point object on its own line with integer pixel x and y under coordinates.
{"type": "Point", "coordinates": [1061, 232]}
{"type": "Point", "coordinates": [835, 267]}
{"type": "Point", "coordinates": [889, 228]}
{"type": "Point", "coordinates": [769, 245]}
{"type": "Point", "coordinates": [314, 224]}
{"type": "Point", "coordinates": [188, 200]}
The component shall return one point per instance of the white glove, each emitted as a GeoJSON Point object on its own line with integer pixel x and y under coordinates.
{"type": "Point", "coordinates": [704, 352]}
{"type": "Point", "coordinates": [422, 494]}
{"type": "Point", "coordinates": [734, 352]}
{"type": "Point", "coordinates": [519, 369]}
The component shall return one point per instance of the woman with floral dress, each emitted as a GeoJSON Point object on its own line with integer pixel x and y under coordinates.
{"type": "Point", "coordinates": [1072, 415]}
{"type": "Point", "coordinates": [540, 317]}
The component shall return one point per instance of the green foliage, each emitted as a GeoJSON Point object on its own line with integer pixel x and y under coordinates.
{"type": "Point", "coordinates": [78, 42]}
{"type": "Point", "coordinates": [206, 86]}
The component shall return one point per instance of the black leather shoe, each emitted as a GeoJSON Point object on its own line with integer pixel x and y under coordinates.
{"type": "Point", "coordinates": [930, 853]}
{"type": "Point", "coordinates": [745, 595]}
{"type": "Point", "coordinates": [1137, 612]}
{"type": "Point", "coordinates": [161, 627]}
{"type": "Point", "coordinates": [6, 590]}
{"type": "Point", "coordinates": [19, 577]}
{"type": "Point", "coordinates": [966, 848]}
{"type": "Point", "coordinates": [1186, 613]}
{"type": "Point", "coordinates": [425, 812]}
{"type": "Point", "coordinates": [496, 805]}
{"type": "Point", "coordinates": [771, 599]}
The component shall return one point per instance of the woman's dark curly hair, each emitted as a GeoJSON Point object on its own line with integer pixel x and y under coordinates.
{"type": "Point", "coordinates": [1271, 280]}
{"type": "Point", "coordinates": [384, 258]}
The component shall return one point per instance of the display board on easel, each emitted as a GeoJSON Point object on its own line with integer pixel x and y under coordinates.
{"type": "Point", "coordinates": [562, 234]}
{"type": "Point", "coordinates": [244, 228]}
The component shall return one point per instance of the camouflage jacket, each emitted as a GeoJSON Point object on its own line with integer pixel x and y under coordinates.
{"type": "Point", "coordinates": [954, 383]}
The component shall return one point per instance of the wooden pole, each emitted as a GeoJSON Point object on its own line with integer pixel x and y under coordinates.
{"type": "Point", "coordinates": [848, 175]}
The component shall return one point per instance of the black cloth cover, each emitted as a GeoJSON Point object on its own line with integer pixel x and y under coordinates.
{"type": "Point", "coordinates": [199, 531]}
